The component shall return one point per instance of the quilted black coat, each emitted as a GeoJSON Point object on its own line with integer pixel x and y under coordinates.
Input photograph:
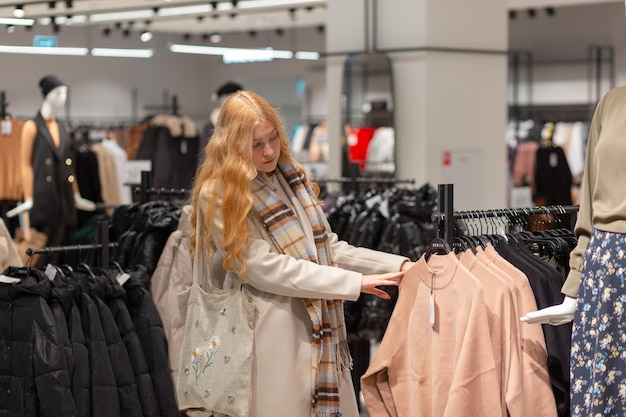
{"type": "Point", "coordinates": [34, 376]}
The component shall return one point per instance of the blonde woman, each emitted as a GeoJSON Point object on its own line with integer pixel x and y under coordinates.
{"type": "Point", "coordinates": [263, 226]}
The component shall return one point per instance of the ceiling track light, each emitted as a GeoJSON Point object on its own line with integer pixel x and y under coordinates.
{"type": "Point", "coordinates": [234, 3]}
{"type": "Point", "coordinates": [215, 37]}
{"type": "Point", "coordinates": [146, 36]}
{"type": "Point", "coordinates": [52, 5]}
{"type": "Point", "coordinates": [550, 11]}
{"type": "Point", "coordinates": [213, 5]}
{"type": "Point", "coordinates": [16, 22]}
{"type": "Point", "coordinates": [106, 32]}
{"type": "Point", "coordinates": [532, 13]}
{"type": "Point", "coordinates": [69, 4]}
{"type": "Point", "coordinates": [19, 11]}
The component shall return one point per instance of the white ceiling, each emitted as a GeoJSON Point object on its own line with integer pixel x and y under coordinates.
{"type": "Point", "coordinates": [226, 18]}
{"type": "Point", "coordinates": [308, 13]}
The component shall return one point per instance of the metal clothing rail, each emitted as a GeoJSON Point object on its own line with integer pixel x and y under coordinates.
{"type": "Point", "coordinates": [446, 211]}
{"type": "Point", "coordinates": [102, 237]}
{"type": "Point", "coordinates": [365, 180]}
{"type": "Point", "coordinates": [356, 181]}
{"type": "Point", "coordinates": [517, 211]}
{"type": "Point", "coordinates": [146, 189]}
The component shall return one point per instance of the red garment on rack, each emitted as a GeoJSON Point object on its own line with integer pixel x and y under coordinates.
{"type": "Point", "coordinates": [358, 142]}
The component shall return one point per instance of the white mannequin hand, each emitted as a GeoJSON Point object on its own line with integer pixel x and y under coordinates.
{"type": "Point", "coordinates": [20, 208]}
{"type": "Point", "coordinates": [554, 315]}
{"type": "Point", "coordinates": [83, 204]}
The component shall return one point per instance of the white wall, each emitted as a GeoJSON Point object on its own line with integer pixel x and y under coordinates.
{"type": "Point", "coordinates": [560, 50]}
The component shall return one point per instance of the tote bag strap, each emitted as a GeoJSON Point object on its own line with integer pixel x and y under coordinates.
{"type": "Point", "coordinates": [198, 259]}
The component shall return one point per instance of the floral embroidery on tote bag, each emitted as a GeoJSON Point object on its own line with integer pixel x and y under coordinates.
{"type": "Point", "coordinates": [196, 357]}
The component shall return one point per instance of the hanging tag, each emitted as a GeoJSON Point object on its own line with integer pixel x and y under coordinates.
{"type": "Point", "coordinates": [431, 316]}
{"type": "Point", "coordinates": [432, 309]}
{"type": "Point", "coordinates": [554, 160]}
{"type": "Point", "coordinates": [122, 278]}
{"type": "Point", "coordinates": [183, 147]}
{"type": "Point", "coordinates": [6, 127]}
{"type": "Point", "coordinates": [8, 280]}
{"type": "Point", "coordinates": [51, 272]}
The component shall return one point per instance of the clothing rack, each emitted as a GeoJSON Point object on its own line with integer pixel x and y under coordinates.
{"type": "Point", "coordinates": [173, 108]}
{"type": "Point", "coordinates": [355, 181]}
{"type": "Point", "coordinates": [146, 190]}
{"type": "Point", "coordinates": [3, 105]}
{"type": "Point", "coordinates": [104, 245]}
{"type": "Point", "coordinates": [446, 211]}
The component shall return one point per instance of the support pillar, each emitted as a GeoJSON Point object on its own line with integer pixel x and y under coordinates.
{"type": "Point", "coordinates": [449, 62]}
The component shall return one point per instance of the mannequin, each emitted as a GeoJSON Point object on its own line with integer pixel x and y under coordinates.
{"type": "Point", "coordinates": [51, 194]}
{"type": "Point", "coordinates": [220, 95]}
{"type": "Point", "coordinates": [554, 315]}
{"type": "Point", "coordinates": [594, 289]}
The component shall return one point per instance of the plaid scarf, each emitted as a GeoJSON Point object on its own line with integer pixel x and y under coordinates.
{"type": "Point", "coordinates": [329, 345]}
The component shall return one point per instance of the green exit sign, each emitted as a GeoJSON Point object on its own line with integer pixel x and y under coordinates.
{"type": "Point", "coordinates": [45, 41]}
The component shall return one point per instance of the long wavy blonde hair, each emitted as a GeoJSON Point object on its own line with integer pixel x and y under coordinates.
{"type": "Point", "coordinates": [228, 169]}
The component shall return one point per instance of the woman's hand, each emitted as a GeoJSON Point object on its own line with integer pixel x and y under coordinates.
{"type": "Point", "coordinates": [370, 282]}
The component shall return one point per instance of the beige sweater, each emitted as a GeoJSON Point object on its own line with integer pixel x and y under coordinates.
{"type": "Point", "coordinates": [603, 189]}
{"type": "Point", "coordinates": [505, 334]}
{"type": "Point", "coordinates": [538, 394]}
{"type": "Point", "coordinates": [443, 370]}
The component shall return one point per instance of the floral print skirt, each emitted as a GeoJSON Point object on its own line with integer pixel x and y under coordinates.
{"type": "Point", "coordinates": [598, 358]}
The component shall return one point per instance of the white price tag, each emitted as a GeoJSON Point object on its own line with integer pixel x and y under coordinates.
{"type": "Point", "coordinates": [122, 278]}
{"type": "Point", "coordinates": [554, 160]}
{"type": "Point", "coordinates": [6, 127]}
{"type": "Point", "coordinates": [51, 272]}
{"type": "Point", "coordinates": [8, 280]}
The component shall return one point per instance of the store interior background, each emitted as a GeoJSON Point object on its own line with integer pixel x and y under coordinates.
{"type": "Point", "coordinates": [125, 90]}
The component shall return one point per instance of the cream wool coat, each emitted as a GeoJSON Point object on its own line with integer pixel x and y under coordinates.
{"type": "Point", "coordinates": [281, 376]}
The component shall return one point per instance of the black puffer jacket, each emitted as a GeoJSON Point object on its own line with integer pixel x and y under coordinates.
{"type": "Point", "coordinates": [34, 377]}
{"type": "Point", "coordinates": [141, 231]}
{"type": "Point", "coordinates": [104, 395]}
{"type": "Point", "coordinates": [114, 296]}
{"type": "Point", "coordinates": [80, 373]}
{"type": "Point", "coordinates": [149, 328]}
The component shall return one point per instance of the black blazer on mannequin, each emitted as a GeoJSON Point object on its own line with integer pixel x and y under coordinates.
{"type": "Point", "coordinates": [53, 195]}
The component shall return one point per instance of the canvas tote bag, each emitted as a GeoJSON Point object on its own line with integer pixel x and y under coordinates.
{"type": "Point", "coordinates": [215, 367]}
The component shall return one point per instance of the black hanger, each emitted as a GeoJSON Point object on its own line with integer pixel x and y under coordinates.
{"type": "Point", "coordinates": [437, 246]}
{"type": "Point", "coordinates": [84, 267]}
{"type": "Point", "coordinates": [117, 266]}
